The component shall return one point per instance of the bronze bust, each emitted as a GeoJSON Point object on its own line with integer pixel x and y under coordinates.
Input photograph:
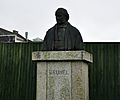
{"type": "Point", "coordinates": [62, 36]}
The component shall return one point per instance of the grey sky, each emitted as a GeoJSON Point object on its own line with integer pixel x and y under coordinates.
{"type": "Point", "coordinates": [97, 20]}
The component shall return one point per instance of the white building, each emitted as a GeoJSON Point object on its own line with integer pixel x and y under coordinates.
{"type": "Point", "coordinates": [11, 37]}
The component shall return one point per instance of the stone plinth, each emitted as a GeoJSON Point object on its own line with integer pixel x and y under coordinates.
{"type": "Point", "coordinates": [62, 75]}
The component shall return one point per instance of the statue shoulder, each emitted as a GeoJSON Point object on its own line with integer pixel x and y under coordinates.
{"type": "Point", "coordinates": [49, 33]}
{"type": "Point", "coordinates": [51, 30]}
{"type": "Point", "coordinates": [74, 29]}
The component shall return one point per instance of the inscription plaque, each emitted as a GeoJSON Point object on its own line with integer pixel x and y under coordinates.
{"type": "Point", "coordinates": [59, 81]}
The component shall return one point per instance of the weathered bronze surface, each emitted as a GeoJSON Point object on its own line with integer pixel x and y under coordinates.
{"type": "Point", "coordinates": [62, 36]}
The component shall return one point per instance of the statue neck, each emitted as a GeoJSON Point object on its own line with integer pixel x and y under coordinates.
{"type": "Point", "coordinates": [63, 24]}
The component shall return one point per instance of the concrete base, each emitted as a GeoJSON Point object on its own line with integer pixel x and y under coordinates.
{"type": "Point", "coordinates": [62, 75]}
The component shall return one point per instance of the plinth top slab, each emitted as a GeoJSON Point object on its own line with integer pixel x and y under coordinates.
{"type": "Point", "coordinates": [62, 55]}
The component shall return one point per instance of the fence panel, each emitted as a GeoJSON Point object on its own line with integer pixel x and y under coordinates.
{"type": "Point", "coordinates": [18, 72]}
{"type": "Point", "coordinates": [104, 73]}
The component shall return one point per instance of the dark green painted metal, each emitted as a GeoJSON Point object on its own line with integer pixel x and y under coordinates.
{"type": "Point", "coordinates": [18, 72]}
{"type": "Point", "coordinates": [104, 73]}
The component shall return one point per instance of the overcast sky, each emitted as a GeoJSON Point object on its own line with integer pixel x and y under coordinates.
{"type": "Point", "coordinates": [97, 20]}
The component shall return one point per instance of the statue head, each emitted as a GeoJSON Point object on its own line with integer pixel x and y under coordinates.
{"type": "Point", "coordinates": [62, 16]}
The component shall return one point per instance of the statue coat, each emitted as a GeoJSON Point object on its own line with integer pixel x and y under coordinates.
{"type": "Point", "coordinates": [73, 39]}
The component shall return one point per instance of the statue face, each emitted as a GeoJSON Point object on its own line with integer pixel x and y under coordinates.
{"type": "Point", "coordinates": [60, 18]}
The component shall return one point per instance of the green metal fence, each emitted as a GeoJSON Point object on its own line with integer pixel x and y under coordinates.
{"type": "Point", "coordinates": [105, 71]}
{"type": "Point", "coordinates": [18, 72]}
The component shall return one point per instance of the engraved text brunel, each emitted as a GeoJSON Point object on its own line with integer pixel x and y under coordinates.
{"type": "Point", "coordinates": [58, 72]}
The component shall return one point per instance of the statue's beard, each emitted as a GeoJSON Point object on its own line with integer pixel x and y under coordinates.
{"type": "Point", "coordinates": [61, 21]}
